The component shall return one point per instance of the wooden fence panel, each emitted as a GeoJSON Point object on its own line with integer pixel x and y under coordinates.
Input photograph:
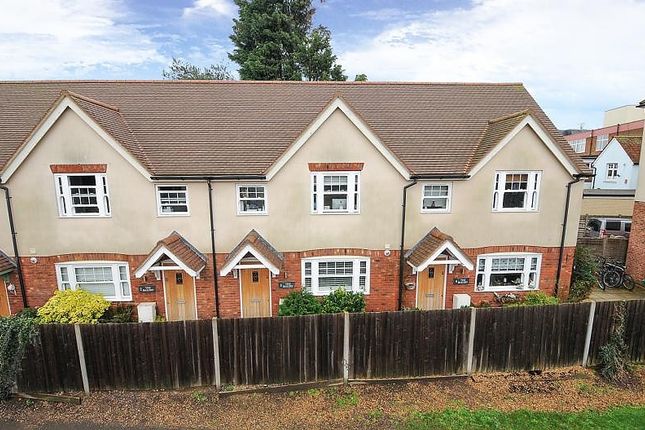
{"type": "Point", "coordinates": [281, 350]}
{"type": "Point", "coordinates": [51, 363]}
{"type": "Point", "coordinates": [529, 337]}
{"type": "Point", "coordinates": [148, 355]}
{"type": "Point", "coordinates": [408, 344]}
{"type": "Point", "coordinates": [634, 329]}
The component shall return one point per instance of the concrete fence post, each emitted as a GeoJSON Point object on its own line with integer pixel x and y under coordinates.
{"type": "Point", "coordinates": [471, 341]}
{"type": "Point", "coordinates": [585, 354]}
{"type": "Point", "coordinates": [346, 349]}
{"type": "Point", "coordinates": [81, 358]}
{"type": "Point", "coordinates": [216, 362]}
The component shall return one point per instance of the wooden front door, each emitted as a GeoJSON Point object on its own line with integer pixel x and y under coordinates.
{"type": "Point", "coordinates": [256, 293]}
{"type": "Point", "coordinates": [430, 285]}
{"type": "Point", "coordinates": [180, 296]}
{"type": "Point", "coordinates": [4, 300]}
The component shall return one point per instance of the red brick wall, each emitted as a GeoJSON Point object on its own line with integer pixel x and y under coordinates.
{"type": "Point", "coordinates": [40, 279]}
{"type": "Point", "coordinates": [636, 247]}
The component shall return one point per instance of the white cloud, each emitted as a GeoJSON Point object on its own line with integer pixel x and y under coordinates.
{"type": "Point", "coordinates": [69, 38]}
{"type": "Point", "coordinates": [575, 56]}
{"type": "Point", "coordinates": [223, 8]}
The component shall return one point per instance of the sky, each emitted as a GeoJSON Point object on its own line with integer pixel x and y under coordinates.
{"type": "Point", "coordinates": [578, 58]}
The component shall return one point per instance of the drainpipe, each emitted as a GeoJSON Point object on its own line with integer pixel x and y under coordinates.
{"type": "Point", "coordinates": [210, 211]}
{"type": "Point", "coordinates": [401, 257]}
{"type": "Point", "coordinates": [14, 242]}
{"type": "Point", "coordinates": [577, 178]}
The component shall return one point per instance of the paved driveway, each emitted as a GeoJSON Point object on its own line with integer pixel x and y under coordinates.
{"type": "Point", "coordinates": [611, 294]}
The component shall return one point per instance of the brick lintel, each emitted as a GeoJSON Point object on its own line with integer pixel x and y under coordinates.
{"type": "Point", "coordinates": [78, 168]}
{"type": "Point", "coordinates": [335, 167]}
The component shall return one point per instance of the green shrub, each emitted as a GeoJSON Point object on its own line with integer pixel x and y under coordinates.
{"type": "Point", "coordinates": [28, 313]}
{"type": "Point", "coordinates": [118, 314]}
{"type": "Point", "coordinates": [343, 301]}
{"type": "Point", "coordinates": [299, 303]}
{"type": "Point", "coordinates": [614, 362]}
{"type": "Point", "coordinates": [583, 278]}
{"type": "Point", "coordinates": [539, 298]}
{"type": "Point", "coordinates": [73, 307]}
{"type": "Point", "coordinates": [15, 334]}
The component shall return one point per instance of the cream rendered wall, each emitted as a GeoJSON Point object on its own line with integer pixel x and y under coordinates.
{"type": "Point", "coordinates": [134, 226]}
{"type": "Point", "coordinates": [640, 189]}
{"type": "Point", "coordinates": [623, 114]}
{"type": "Point", "coordinates": [472, 221]}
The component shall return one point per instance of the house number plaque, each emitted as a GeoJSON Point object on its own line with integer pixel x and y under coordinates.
{"type": "Point", "coordinates": [147, 288]}
{"type": "Point", "coordinates": [461, 281]}
{"type": "Point", "coordinates": [287, 284]}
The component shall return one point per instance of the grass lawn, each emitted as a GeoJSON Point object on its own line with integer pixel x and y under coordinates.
{"type": "Point", "coordinates": [623, 418]}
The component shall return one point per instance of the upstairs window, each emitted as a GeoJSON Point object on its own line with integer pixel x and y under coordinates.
{"type": "Point", "coordinates": [172, 200]}
{"type": "Point", "coordinates": [516, 191]}
{"type": "Point", "coordinates": [110, 280]}
{"type": "Point", "coordinates": [82, 195]}
{"type": "Point", "coordinates": [578, 145]}
{"type": "Point", "coordinates": [497, 272]}
{"type": "Point", "coordinates": [436, 198]}
{"type": "Point", "coordinates": [601, 141]}
{"type": "Point", "coordinates": [335, 192]}
{"type": "Point", "coordinates": [251, 200]}
{"type": "Point", "coordinates": [321, 276]}
{"type": "Point", "coordinates": [612, 171]}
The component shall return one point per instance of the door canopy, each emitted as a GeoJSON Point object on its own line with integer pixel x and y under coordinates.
{"type": "Point", "coordinates": [436, 248]}
{"type": "Point", "coordinates": [253, 248]}
{"type": "Point", "coordinates": [177, 250]}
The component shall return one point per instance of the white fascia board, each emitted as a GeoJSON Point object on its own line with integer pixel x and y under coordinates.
{"type": "Point", "coordinates": [447, 245]}
{"type": "Point", "coordinates": [544, 137]}
{"type": "Point", "coordinates": [338, 103]}
{"type": "Point", "coordinates": [236, 259]}
{"type": "Point", "coordinates": [46, 124]}
{"type": "Point", "coordinates": [148, 264]}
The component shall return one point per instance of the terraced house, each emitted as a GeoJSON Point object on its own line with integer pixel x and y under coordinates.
{"type": "Point", "coordinates": [417, 195]}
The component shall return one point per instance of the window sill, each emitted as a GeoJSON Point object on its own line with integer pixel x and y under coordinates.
{"type": "Point", "coordinates": [435, 211]}
{"type": "Point", "coordinates": [335, 213]}
{"type": "Point", "coordinates": [515, 211]}
{"type": "Point", "coordinates": [252, 213]}
{"type": "Point", "coordinates": [506, 290]}
{"type": "Point", "coordinates": [319, 294]}
{"type": "Point", "coordinates": [84, 216]}
{"type": "Point", "coordinates": [172, 215]}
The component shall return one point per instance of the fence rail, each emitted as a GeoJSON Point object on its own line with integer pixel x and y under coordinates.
{"type": "Point", "coordinates": [322, 347]}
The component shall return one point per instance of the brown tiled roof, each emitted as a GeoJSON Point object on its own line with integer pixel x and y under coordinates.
{"type": "Point", "coordinates": [243, 127]}
{"type": "Point", "coordinates": [632, 146]}
{"type": "Point", "coordinates": [6, 263]}
{"type": "Point", "coordinates": [261, 245]}
{"type": "Point", "coordinates": [182, 249]}
{"type": "Point", "coordinates": [427, 246]}
{"type": "Point", "coordinates": [494, 132]}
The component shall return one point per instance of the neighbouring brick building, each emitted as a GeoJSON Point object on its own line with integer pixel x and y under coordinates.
{"type": "Point", "coordinates": [636, 248]}
{"type": "Point", "coordinates": [128, 189]}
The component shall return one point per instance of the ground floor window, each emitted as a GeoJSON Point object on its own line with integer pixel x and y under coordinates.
{"type": "Point", "coordinates": [111, 280]}
{"type": "Point", "coordinates": [504, 272]}
{"type": "Point", "coordinates": [320, 276]}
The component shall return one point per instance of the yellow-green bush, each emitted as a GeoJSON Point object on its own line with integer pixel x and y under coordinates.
{"type": "Point", "coordinates": [73, 307]}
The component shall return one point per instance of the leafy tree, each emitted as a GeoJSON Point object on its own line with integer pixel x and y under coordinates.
{"type": "Point", "coordinates": [180, 69]}
{"type": "Point", "coordinates": [361, 77]}
{"type": "Point", "coordinates": [274, 41]}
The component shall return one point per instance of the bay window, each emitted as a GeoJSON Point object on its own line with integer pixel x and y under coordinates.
{"type": "Point", "coordinates": [321, 276]}
{"type": "Point", "coordinates": [82, 195]}
{"type": "Point", "coordinates": [335, 192]}
{"type": "Point", "coordinates": [516, 191]}
{"type": "Point", "coordinates": [508, 272]}
{"type": "Point", "coordinates": [110, 280]}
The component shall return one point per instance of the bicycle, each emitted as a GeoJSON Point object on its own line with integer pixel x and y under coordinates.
{"type": "Point", "coordinates": [613, 275]}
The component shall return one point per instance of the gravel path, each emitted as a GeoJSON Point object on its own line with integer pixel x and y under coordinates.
{"type": "Point", "coordinates": [361, 406]}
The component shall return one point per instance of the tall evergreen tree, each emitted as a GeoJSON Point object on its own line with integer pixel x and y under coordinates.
{"type": "Point", "coordinates": [180, 69]}
{"type": "Point", "coordinates": [317, 60]}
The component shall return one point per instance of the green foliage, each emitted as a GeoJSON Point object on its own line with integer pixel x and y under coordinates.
{"type": "Point", "coordinates": [624, 418]}
{"type": "Point", "coordinates": [539, 298]}
{"type": "Point", "coordinates": [614, 358]}
{"type": "Point", "coordinates": [199, 397]}
{"type": "Point", "coordinates": [15, 334]}
{"type": "Point", "coordinates": [118, 314]}
{"type": "Point", "coordinates": [343, 301]}
{"type": "Point", "coordinates": [180, 69]}
{"type": "Point", "coordinates": [73, 307]}
{"type": "Point", "coordinates": [274, 40]}
{"type": "Point", "coordinates": [28, 313]}
{"type": "Point", "coordinates": [299, 303]}
{"type": "Point", "coordinates": [345, 398]}
{"type": "Point", "coordinates": [361, 77]}
{"type": "Point", "coordinates": [585, 269]}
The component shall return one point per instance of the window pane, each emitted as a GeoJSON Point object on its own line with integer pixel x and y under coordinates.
{"type": "Point", "coordinates": [335, 201]}
{"type": "Point", "coordinates": [513, 199]}
{"type": "Point", "coordinates": [435, 203]}
{"type": "Point", "coordinates": [252, 205]}
{"type": "Point", "coordinates": [505, 279]}
{"type": "Point", "coordinates": [333, 283]}
{"type": "Point", "coordinates": [612, 225]}
{"type": "Point", "coordinates": [82, 180]}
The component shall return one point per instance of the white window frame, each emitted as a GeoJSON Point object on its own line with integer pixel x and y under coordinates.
{"type": "Point", "coordinates": [602, 140]}
{"type": "Point", "coordinates": [353, 193]}
{"type": "Point", "coordinates": [609, 168]}
{"type": "Point", "coordinates": [71, 283]}
{"type": "Point", "coordinates": [238, 200]}
{"type": "Point", "coordinates": [158, 192]}
{"type": "Point", "coordinates": [356, 273]}
{"type": "Point", "coordinates": [527, 270]}
{"type": "Point", "coordinates": [532, 201]}
{"type": "Point", "coordinates": [64, 196]}
{"type": "Point", "coordinates": [448, 197]}
{"type": "Point", "coordinates": [578, 145]}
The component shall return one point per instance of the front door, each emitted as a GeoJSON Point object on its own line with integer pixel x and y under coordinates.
{"type": "Point", "coordinates": [256, 293]}
{"type": "Point", "coordinates": [4, 300]}
{"type": "Point", "coordinates": [430, 285]}
{"type": "Point", "coordinates": [180, 296]}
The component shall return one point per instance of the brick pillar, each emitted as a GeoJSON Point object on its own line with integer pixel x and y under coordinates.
{"type": "Point", "coordinates": [636, 247]}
